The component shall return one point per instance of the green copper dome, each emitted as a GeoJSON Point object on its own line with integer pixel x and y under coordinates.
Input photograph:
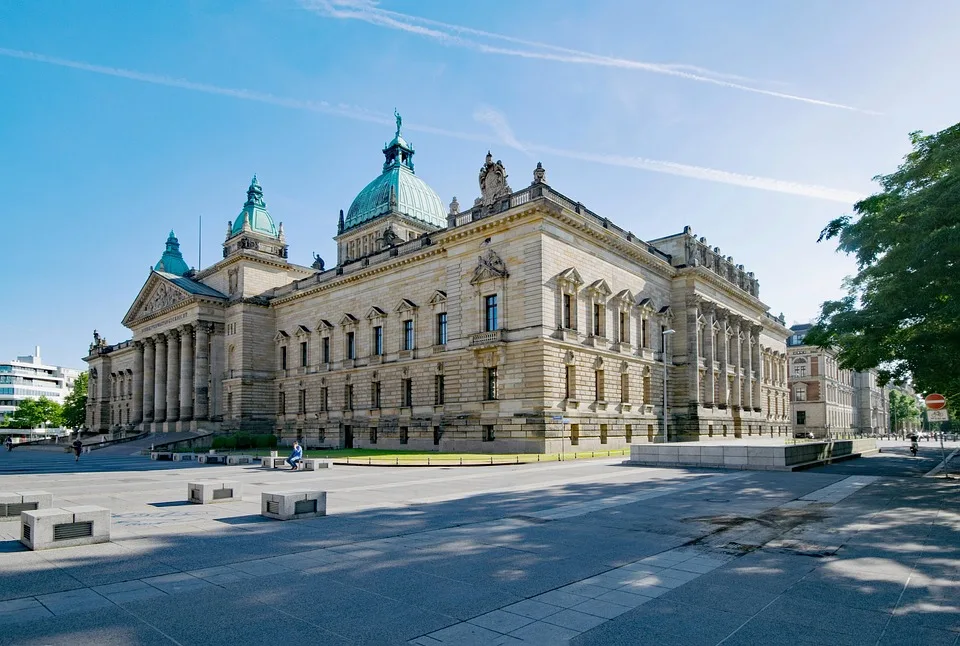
{"type": "Point", "coordinates": [397, 190]}
{"type": "Point", "coordinates": [172, 261]}
{"type": "Point", "coordinates": [255, 213]}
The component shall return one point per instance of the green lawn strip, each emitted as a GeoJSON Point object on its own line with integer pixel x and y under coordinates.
{"type": "Point", "coordinates": [394, 456]}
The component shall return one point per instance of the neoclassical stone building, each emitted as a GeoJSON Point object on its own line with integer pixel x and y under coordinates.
{"type": "Point", "coordinates": [525, 322]}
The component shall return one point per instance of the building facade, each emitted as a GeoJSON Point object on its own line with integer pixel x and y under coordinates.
{"type": "Point", "coordinates": [28, 377]}
{"type": "Point", "coordinates": [829, 399]}
{"type": "Point", "coordinates": [525, 322]}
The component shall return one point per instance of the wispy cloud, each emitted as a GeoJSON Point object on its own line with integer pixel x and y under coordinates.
{"type": "Point", "coordinates": [453, 35]}
{"type": "Point", "coordinates": [498, 123]}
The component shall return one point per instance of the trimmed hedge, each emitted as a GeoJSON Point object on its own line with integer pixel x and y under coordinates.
{"type": "Point", "coordinates": [245, 441]}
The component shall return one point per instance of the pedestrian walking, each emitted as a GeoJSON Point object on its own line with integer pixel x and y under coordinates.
{"type": "Point", "coordinates": [9, 443]}
{"type": "Point", "coordinates": [77, 449]}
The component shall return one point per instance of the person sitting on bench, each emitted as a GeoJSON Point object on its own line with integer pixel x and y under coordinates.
{"type": "Point", "coordinates": [295, 456]}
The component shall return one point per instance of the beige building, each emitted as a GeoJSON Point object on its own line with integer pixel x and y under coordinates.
{"type": "Point", "coordinates": [525, 322]}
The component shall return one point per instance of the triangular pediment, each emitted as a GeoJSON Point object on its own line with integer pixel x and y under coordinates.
{"type": "Point", "coordinates": [375, 313]}
{"type": "Point", "coordinates": [489, 267]}
{"type": "Point", "coordinates": [600, 288]}
{"type": "Point", "coordinates": [645, 303]}
{"type": "Point", "coordinates": [157, 295]}
{"type": "Point", "coordinates": [303, 330]}
{"type": "Point", "coordinates": [324, 324]}
{"type": "Point", "coordinates": [438, 297]}
{"type": "Point", "coordinates": [625, 296]}
{"type": "Point", "coordinates": [405, 305]}
{"type": "Point", "coordinates": [666, 312]}
{"type": "Point", "coordinates": [570, 275]}
{"type": "Point", "coordinates": [281, 336]}
{"type": "Point", "coordinates": [349, 319]}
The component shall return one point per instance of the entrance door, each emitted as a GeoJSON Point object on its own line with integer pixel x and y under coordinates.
{"type": "Point", "coordinates": [348, 437]}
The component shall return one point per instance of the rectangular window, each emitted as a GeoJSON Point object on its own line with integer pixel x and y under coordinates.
{"type": "Point", "coordinates": [438, 399]}
{"type": "Point", "coordinates": [404, 435]}
{"type": "Point", "coordinates": [800, 370]}
{"type": "Point", "coordinates": [644, 341]}
{"type": "Point", "coordinates": [303, 354]}
{"type": "Point", "coordinates": [326, 349]}
{"type": "Point", "coordinates": [324, 399]}
{"type": "Point", "coordinates": [490, 313]}
{"type": "Point", "coordinates": [437, 434]}
{"type": "Point", "coordinates": [375, 394]}
{"type": "Point", "coordinates": [351, 345]}
{"type": "Point", "coordinates": [373, 435]}
{"type": "Point", "coordinates": [574, 434]}
{"type": "Point", "coordinates": [229, 404]}
{"type": "Point", "coordinates": [625, 388]}
{"type": "Point", "coordinates": [598, 385]}
{"type": "Point", "coordinates": [488, 433]}
{"type": "Point", "coordinates": [348, 397]}
{"type": "Point", "coordinates": [408, 334]}
{"type": "Point", "coordinates": [597, 323]}
{"type": "Point", "coordinates": [603, 434]}
{"type": "Point", "coordinates": [302, 403]}
{"type": "Point", "coordinates": [490, 383]}
{"type": "Point", "coordinates": [800, 394]}
{"type": "Point", "coordinates": [442, 328]}
{"type": "Point", "coordinates": [568, 311]}
{"type": "Point", "coordinates": [283, 357]}
{"type": "Point", "coordinates": [378, 340]}
{"type": "Point", "coordinates": [801, 417]}
{"type": "Point", "coordinates": [282, 404]}
{"type": "Point", "coordinates": [628, 432]}
{"type": "Point", "coordinates": [406, 392]}
{"type": "Point", "coordinates": [571, 383]}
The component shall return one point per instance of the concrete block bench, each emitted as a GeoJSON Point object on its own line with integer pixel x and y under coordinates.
{"type": "Point", "coordinates": [161, 455]}
{"type": "Point", "coordinates": [272, 462]}
{"type": "Point", "coordinates": [312, 464]}
{"type": "Point", "coordinates": [12, 503]}
{"type": "Point", "coordinates": [64, 527]}
{"type": "Point", "coordinates": [204, 492]}
{"type": "Point", "coordinates": [239, 459]}
{"type": "Point", "coordinates": [206, 458]}
{"type": "Point", "coordinates": [184, 457]}
{"type": "Point", "coordinates": [290, 505]}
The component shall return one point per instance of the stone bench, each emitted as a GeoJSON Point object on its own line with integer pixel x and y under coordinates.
{"type": "Point", "coordinates": [204, 492]}
{"type": "Point", "coordinates": [161, 455]}
{"type": "Point", "coordinates": [239, 459]}
{"type": "Point", "coordinates": [272, 462]}
{"type": "Point", "coordinates": [55, 527]}
{"type": "Point", "coordinates": [290, 505]}
{"type": "Point", "coordinates": [312, 464]}
{"type": "Point", "coordinates": [184, 457]}
{"type": "Point", "coordinates": [11, 504]}
{"type": "Point", "coordinates": [206, 458]}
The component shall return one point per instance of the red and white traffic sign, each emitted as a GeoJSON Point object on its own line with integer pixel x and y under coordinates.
{"type": "Point", "coordinates": [935, 401]}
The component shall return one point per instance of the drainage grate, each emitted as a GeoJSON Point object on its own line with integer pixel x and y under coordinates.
{"type": "Point", "coordinates": [27, 532]}
{"type": "Point", "coordinates": [305, 506]}
{"type": "Point", "coordinates": [14, 508]}
{"type": "Point", "coordinates": [273, 506]}
{"type": "Point", "coordinates": [220, 494]}
{"type": "Point", "coordinates": [65, 531]}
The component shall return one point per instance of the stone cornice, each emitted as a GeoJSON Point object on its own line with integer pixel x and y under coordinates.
{"type": "Point", "coordinates": [246, 254]}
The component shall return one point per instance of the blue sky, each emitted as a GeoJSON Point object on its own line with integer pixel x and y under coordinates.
{"type": "Point", "coordinates": [753, 122]}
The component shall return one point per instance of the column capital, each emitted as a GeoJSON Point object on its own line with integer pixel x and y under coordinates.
{"type": "Point", "coordinates": [186, 329]}
{"type": "Point", "coordinates": [708, 307]}
{"type": "Point", "coordinates": [172, 334]}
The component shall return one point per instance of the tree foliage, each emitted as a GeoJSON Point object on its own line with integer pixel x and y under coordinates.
{"type": "Point", "coordinates": [903, 408]}
{"type": "Point", "coordinates": [75, 404]}
{"type": "Point", "coordinates": [34, 413]}
{"type": "Point", "coordinates": [901, 313]}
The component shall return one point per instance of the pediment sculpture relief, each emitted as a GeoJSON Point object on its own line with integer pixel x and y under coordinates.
{"type": "Point", "coordinates": [161, 298]}
{"type": "Point", "coordinates": [490, 265]}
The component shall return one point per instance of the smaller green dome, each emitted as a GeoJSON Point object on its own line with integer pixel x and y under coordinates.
{"type": "Point", "coordinates": [172, 261]}
{"type": "Point", "coordinates": [255, 213]}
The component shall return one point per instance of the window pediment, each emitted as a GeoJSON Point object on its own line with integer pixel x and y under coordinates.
{"type": "Point", "coordinates": [599, 288]}
{"type": "Point", "coordinates": [489, 266]}
{"type": "Point", "coordinates": [324, 324]}
{"type": "Point", "coordinates": [303, 330]}
{"type": "Point", "coordinates": [281, 336]}
{"type": "Point", "coordinates": [438, 297]}
{"type": "Point", "coordinates": [644, 303]}
{"type": "Point", "coordinates": [624, 297]}
{"type": "Point", "coordinates": [375, 313]}
{"type": "Point", "coordinates": [349, 319]}
{"type": "Point", "coordinates": [570, 276]}
{"type": "Point", "coordinates": [405, 305]}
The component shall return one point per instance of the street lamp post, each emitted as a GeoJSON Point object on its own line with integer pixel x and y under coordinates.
{"type": "Point", "coordinates": [663, 353]}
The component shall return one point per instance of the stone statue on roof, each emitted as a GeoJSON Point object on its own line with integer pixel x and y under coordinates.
{"type": "Point", "coordinates": [399, 120]}
{"type": "Point", "coordinates": [317, 262]}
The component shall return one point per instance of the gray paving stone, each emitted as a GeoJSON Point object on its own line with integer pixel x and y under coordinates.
{"type": "Point", "coordinates": [560, 598]}
{"type": "Point", "coordinates": [544, 634]}
{"type": "Point", "coordinates": [623, 598]}
{"type": "Point", "coordinates": [18, 610]}
{"type": "Point", "coordinates": [175, 583]}
{"type": "Point", "coordinates": [128, 591]}
{"type": "Point", "coordinates": [501, 621]}
{"type": "Point", "coordinates": [742, 601]}
{"type": "Point", "coordinates": [603, 609]}
{"type": "Point", "coordinates": [466, 634]}
{"type": "Point", "coordinates": [574, 620]}
{"type": "Point", "coordinates": [585, 590]}
{"type": "Point", "coordinates": [533, 609]}
{"type": "Point", "coordinates": [72, 601]}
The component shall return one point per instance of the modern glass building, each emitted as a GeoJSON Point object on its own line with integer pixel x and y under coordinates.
{"type": "Point", "coordinates": [29, 378]}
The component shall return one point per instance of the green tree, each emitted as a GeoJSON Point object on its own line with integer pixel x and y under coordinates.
{"type": "Point", "coordinates": [903, 408]}
{"type": "Point", "coordinates": [75, 404]}
{"type": "Point", "coordinates": [34, 413]}
{"type": "Point", "coordinates": [901, 313]}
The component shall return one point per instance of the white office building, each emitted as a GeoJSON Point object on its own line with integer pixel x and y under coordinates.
{"type": "Point", "coordinates": [29, 378]}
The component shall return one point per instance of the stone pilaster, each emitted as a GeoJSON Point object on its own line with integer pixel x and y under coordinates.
{"type": "Point", "coordinates": [160, 380]}
{"type": "Point", "coordinates": [186, 373]}
{"type": "Point", "coordinates": [173, 375]}
{"type": "Point", "coordinates": [217, 370]}
{"type": "Point", "coordinates": [736, 396]}
{"type": "Point", "coordinates": [753, 338]}
{"type": "Point", "coordinates": [693, 352]}
{"type": "Point", "coordinates": [723, 400]}
{"type": "Point", "coordinates": [136, 412]}
{"type": "Point", "coordinates": [201, 372]}
{"type": "Point", "coordinates": [149, 364]}
{"type": "Point", "coordinates": [709, 352]}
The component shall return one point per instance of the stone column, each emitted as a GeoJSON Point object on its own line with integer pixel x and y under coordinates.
{"type": "Point", "coordinates": [173, 375]}
{"type": "Point", "coordinates": [148, 375]}
{"type": "Point", "coordinates": [201, 371]}
{"type": "Point", "coordinates": [137, 412]}
{"type": "Point", "coordinates": [757, 370]}
{"type": "Point", "coordinates": [217, 370]}
{"type": "Point", "coordinates": [751, 332]}
{"type": "Point", "coordinates": [693, 352]}
{"type": "Point", "coordinates": [724, 354]}
{"type": "Point", "coordinates": [186, 373]}
{"type": "Point", "coordinates": [160, 380]}
{"type": "Point", "coordinates": [737, 395]}
{"type": "Point", "coordinates": [709, 350]}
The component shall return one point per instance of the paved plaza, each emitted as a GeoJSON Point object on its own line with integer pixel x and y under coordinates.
{"type": "Point", "coordinates": [584, 552]}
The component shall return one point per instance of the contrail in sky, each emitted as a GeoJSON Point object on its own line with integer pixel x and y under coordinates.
{"type": "Point", "coordinates": [501, 130]}
{"type": "Point", "coordinates": [451, 34]}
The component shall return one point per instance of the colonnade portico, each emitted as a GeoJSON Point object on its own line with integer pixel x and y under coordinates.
{"type": "Point", "coordinates": [171, 376]}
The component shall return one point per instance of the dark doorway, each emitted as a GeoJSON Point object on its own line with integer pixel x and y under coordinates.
{"type": "Point", "coordinates": [348, 437]}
